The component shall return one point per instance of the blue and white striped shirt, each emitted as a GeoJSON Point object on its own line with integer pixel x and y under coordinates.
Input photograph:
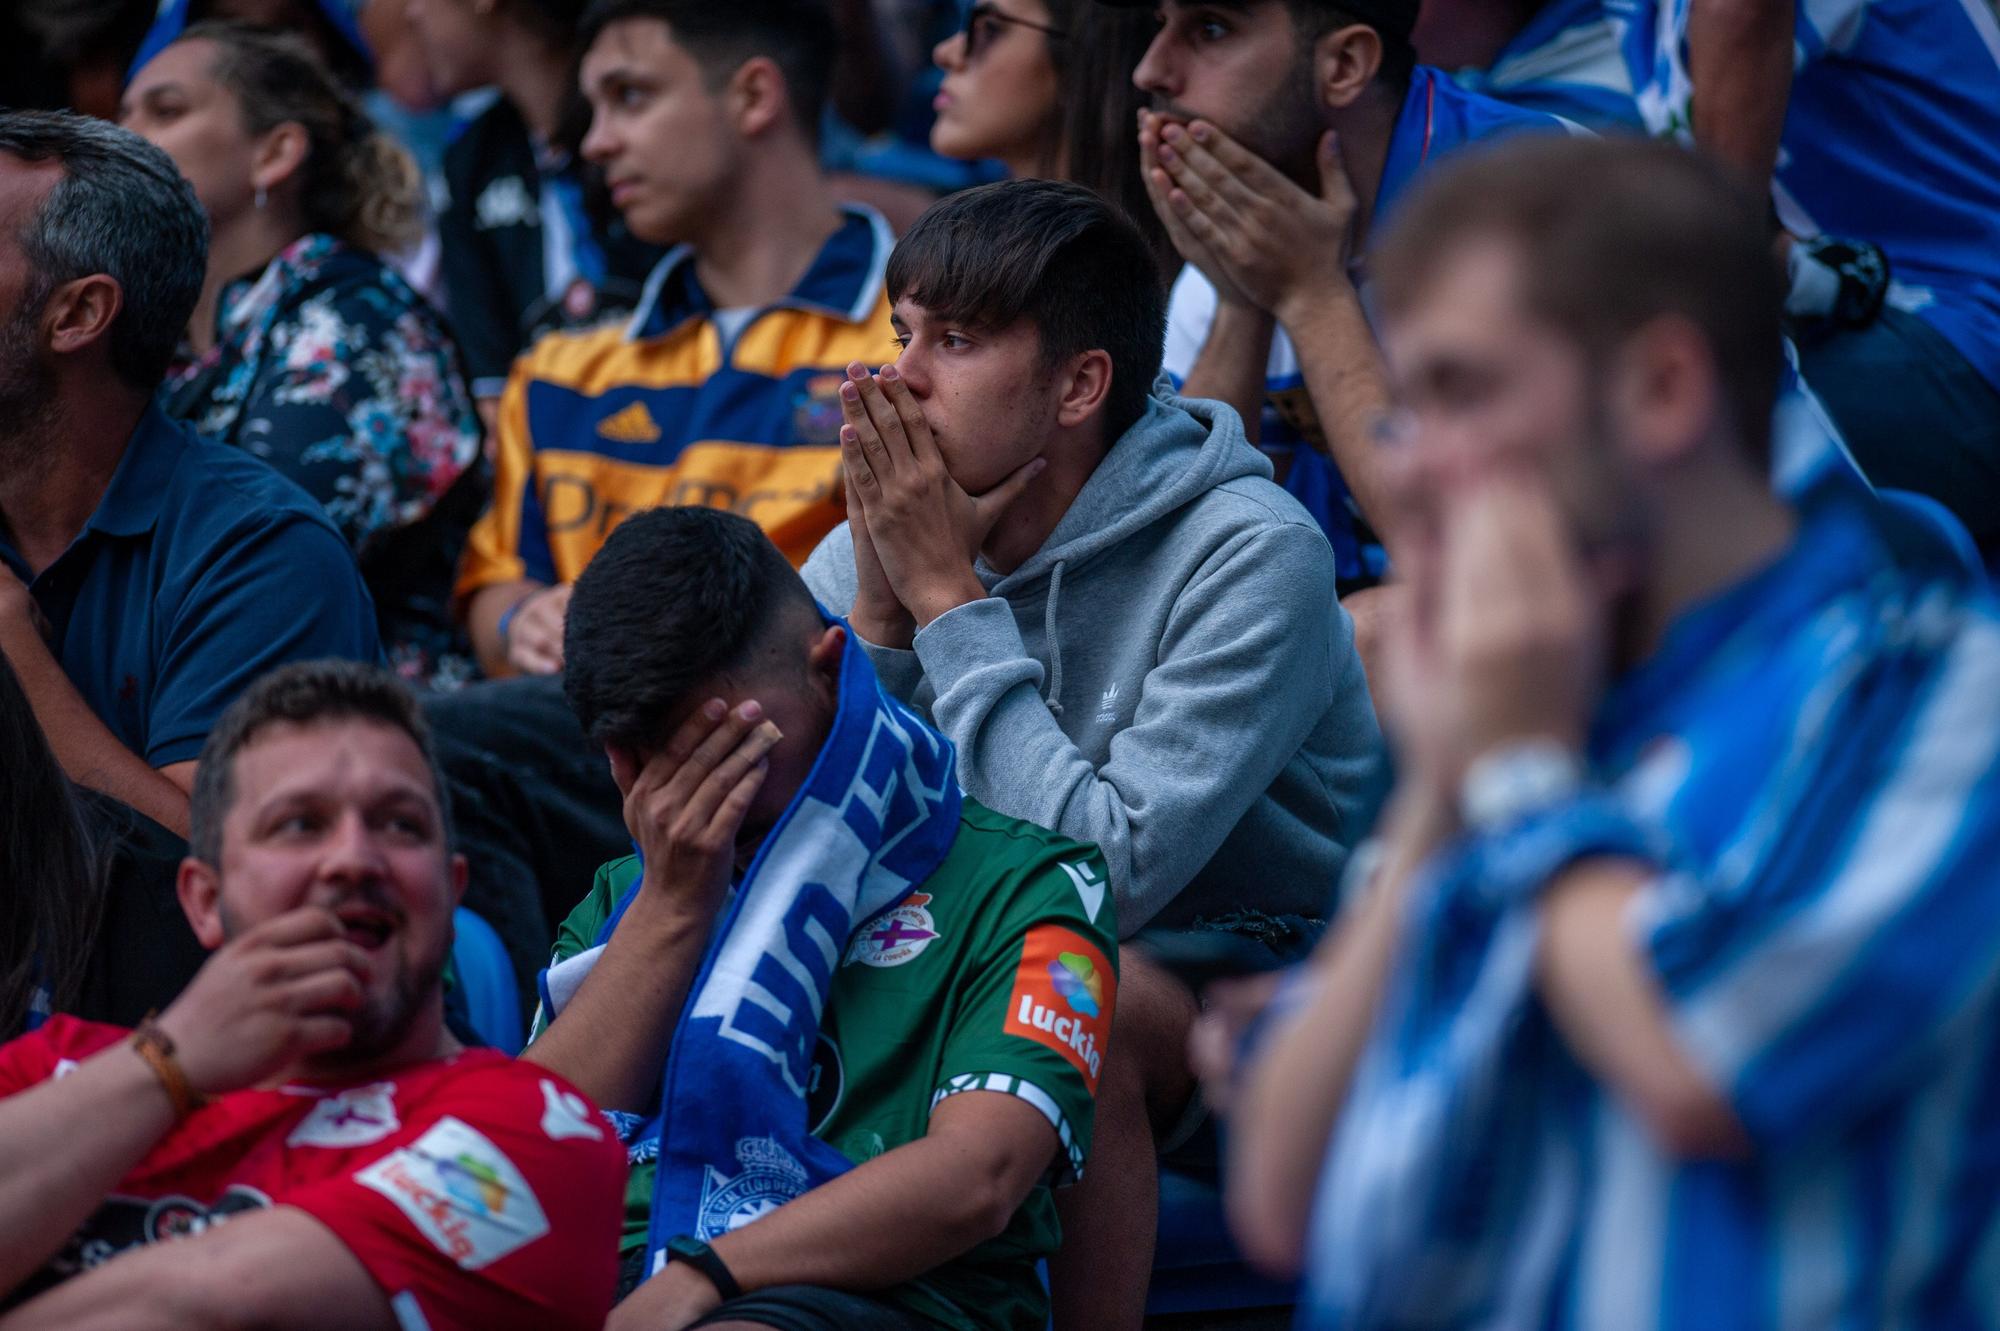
{"type": "Point", "coordinates": [1813, 758]}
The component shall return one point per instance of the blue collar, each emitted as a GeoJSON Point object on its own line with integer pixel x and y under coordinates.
{"type": "Point", "coordinates": [1836, 547]}
{"type": "Point", "coordinates": [1412, 140]}
{"type": "Point", "coordinates": [845, 279]}
{"type": "Point", "coordinates": [131, 503]}
{"type": "Point", "coordinates": [1438, 118]}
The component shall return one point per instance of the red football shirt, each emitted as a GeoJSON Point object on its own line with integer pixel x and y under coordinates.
{"type": "Point", "coordinates": [477, 1191]}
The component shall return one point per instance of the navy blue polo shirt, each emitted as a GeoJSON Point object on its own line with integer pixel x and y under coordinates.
{"type": "Point", "coordinates": [201, 570]}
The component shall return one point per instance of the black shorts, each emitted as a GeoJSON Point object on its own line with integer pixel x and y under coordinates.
{"type": "Point", "coordinates": [815, 1308]}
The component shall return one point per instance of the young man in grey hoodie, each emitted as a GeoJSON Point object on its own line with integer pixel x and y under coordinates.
{"type": "Point", "coordinates": [1128, 629]}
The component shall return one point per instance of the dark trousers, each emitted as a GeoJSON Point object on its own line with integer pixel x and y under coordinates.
{"type": "Point", "coordinates": [1915, 414]}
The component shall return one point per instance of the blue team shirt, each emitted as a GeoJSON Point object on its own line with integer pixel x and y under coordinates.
{"type": "Point", "coordinates": [1813, 760]}
{"type": "Point", "coordinates": [1438, 117]}
{"type": "Point", "coordinates": [201, 569]}
{"type": "Point", "coordinates": [1893, 136]}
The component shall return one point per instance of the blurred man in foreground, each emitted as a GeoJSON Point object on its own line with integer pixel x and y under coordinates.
{"type": "Point", "coordinates": [1681, 944]}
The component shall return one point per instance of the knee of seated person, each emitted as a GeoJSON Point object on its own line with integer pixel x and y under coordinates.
{"type": "Point", "coordinates": [1371, 609]}
{"type": "Point", "coordinates": [1149, 1027]}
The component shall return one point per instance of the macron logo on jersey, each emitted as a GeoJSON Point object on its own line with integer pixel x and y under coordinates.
{"type": "Point", "coordinates": [1088, 886]}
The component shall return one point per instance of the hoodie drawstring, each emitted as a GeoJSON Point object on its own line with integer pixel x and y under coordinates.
{"type": "Point", "coordinates": [1055, 645]}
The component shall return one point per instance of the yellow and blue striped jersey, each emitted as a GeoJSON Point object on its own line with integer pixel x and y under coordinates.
{"type": "Point", "coordinates": [664, 410]}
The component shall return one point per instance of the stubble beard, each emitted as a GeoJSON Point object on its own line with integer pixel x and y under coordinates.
{"type": "Point", "coordinates": [29, 408]}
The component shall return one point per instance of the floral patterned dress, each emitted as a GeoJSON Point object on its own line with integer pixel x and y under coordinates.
{"type": "Point", "coordinates": [329, 367]}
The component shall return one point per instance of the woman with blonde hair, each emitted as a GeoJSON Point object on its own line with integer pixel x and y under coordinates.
{"type": "Point", "coordinates": [307, 349]}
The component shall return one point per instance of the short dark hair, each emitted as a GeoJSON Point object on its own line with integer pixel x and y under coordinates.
{"type": "Point", "coordinates": [1052, 253]}
{"type": "Point", "coordinates": [1393, 21]}
{"type": "Point", "coordinates": [674, 597]}
{"type": "Point", "coordinates": [1612, 234]}
{"type": "Point", "coordinates": [302, 694]}
{"type": "Point", "coordinates": [797, 35]}
{"type": "Point", "coordinates": [122, 209]}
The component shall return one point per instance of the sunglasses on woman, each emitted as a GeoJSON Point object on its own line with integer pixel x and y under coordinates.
{"type": "Point", "coordinates": [985, 21]}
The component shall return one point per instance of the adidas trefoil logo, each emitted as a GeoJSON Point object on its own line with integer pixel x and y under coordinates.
{"type": "Point", "coordinates": [633, 425]}
{"type": "Point", "coordinates": [1107, 706]}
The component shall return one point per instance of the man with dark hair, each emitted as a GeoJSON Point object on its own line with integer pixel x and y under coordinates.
{"type": "Point", "coordinates": [853, 1022]}
{"type": "Point", "coordinates": [1270, 188]}
{"type": "Point", "coordinates": [523, 249]}
{"type": "Point", "coordinates": [146, 576]}
{"type": "Point", "coordinates": [1682, 925]}
{"type": "Point", "coordinates": [704, 118]}
{"type": "Point", "coordinates": [304, 1089]}
{"type": "Point", "coordinates": [1129, 631]}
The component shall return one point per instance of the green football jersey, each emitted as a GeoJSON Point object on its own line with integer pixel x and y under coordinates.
{"type": "Point", "coordinates": [998, 973]}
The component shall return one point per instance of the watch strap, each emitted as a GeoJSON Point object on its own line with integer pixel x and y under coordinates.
{"type": "Point", "coordinates": [687, 1248]}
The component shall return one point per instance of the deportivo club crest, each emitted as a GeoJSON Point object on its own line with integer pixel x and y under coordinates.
{"type": "Point", "coordinates": [770, 1178]}
{"type": "Point", "coordinates": [895, 936]}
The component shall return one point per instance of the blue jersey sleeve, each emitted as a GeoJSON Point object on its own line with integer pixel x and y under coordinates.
{"type": "Point", "coordinates": [290, 592]}
{"type": "Point", "coordinates": [1825, 981]}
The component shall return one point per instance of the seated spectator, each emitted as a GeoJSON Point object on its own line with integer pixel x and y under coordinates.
{"type": "Point", "coordinates": [1877, 125]}
{"type": "Point", "coordinates": [522, 254]}
{"type": "Point", "coordinates": [146, 575]}
{"type": "Point", "coordinates": [723, 388]}
{"type": "Point", "coordinates": [89, 923]}
{"type": "Point", "coordinates": [307, 350]}
{"type": "Point", "coordinates": [1267, 316]}
{"type": "Point", "coordinates": [1046, 89]}
{"type": "Point", "coordinates": [910, 994]}
{"type": "Point", "coordinates": [304, 1089]}
{"type": "Point", "coordinates": [1682, 930]}
{"type": "Point", "coordinates": [1101, 598]}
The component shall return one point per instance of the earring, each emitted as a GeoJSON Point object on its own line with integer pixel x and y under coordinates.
{"type": "Point", "coordinates": [262, 198]}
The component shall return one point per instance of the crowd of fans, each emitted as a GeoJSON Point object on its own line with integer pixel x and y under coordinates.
{"type": "Point", "coordinates": [1383, 603]}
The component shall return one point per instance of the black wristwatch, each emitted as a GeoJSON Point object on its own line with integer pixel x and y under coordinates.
{"type": "Point", "coordinates": [687, 1248]}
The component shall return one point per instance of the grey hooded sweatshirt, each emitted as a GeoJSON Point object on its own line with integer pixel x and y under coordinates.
{"type": "Point", "coordinates": [1170, 676]}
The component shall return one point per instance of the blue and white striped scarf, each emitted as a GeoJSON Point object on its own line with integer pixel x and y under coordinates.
{"type": "Point", "coordinates": [875, 817]}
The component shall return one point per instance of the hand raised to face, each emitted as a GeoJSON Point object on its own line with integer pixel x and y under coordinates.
{"type": "Point", "coordinates": [922, 528]}
{"type": "Point", "coordinates": [685, 805]}
{"type": "Point", "coordinates": [1252, 231]}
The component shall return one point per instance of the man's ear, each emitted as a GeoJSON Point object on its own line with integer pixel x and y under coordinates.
{"type": "Point", "coordinates": [199, 887]}
{"type": "Point", "coordinates": [79, 314]}
{"type": "Point", "coordinates": [625, 765]}
{"type": "Point", "coordinates": [1664, 392]}
{"type": "Point", "coordinates": [1345, 62]}
{"type": "Point", "coordinates": [1083, 393]}
{"type": "Point", "coordinates": [461, 874]}
{"type": "Point", "coordinates": [823, 658]}
{"type": "Point", "coordinates": [757, 96]}
{"type": "Point", "coordinates": [279, 155]}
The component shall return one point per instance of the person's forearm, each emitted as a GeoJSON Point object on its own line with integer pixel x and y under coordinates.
{"type": "Point", "coordinates": [1739, 55]}
{"type": "Point", "coordinates": [86, 748]}
{"type": "Point", "coordinates": [1293, 1095]}
{"type": "Point", "coordinates": [278, 1267]}
{"type": "Point", "coordinates": [1349, 386]}
{"type": "Point", "coordinates": [1233, 361]}
{"type": "Point", "coordinates": [482, 623]}
{"type": "Point", "coordinates": [52, 1176]}
{"type": "Point", "coordinates": [891, 1219]}
{"type": "Point", "coordinates": [611, 1039]}
{"type": "Point", "coordinates": [1606, 1003]}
